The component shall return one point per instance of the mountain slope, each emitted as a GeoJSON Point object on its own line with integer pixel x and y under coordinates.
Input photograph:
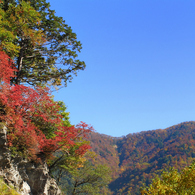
{"type": "Point", "coordinates": [136, 158]}
{"type": "Point", "coordinates": [106, 149]}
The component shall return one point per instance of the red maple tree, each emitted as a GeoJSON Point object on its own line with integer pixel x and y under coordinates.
{"type": "Point", "coordinates": [33, 119]}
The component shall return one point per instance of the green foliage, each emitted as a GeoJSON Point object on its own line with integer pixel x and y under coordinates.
{"type": "Point", "coordinates": [6, 36]}
{"type": "Point", "coordinates": [15, 23]}
{"type": "Point", "coordinates": [49, 60]}
{"type": "Point", "coordinates": [6, 190]}
{"type": "Point", "coordinates": [88, 179]}
{"type": "Point", "coordinates": [64, 114]}
{"type": "Point", "coordinates": [173, 182]}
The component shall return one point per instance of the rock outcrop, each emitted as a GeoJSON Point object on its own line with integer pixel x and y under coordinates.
{"type": "Point", "coordinates": [27, 177]}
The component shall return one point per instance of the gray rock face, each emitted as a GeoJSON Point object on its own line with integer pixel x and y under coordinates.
{"type": "Point", "coordinates": [27, 177]}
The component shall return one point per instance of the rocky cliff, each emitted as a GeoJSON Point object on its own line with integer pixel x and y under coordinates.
{"type": "Point", "coordinates": [27, 177]}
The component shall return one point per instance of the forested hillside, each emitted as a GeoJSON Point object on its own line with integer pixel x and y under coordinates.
{"type": "Point", "coordinates": [39, 53]}
{"type": "Point", "coordinates": [135, 159]}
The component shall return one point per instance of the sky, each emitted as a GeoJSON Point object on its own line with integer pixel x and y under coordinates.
{"type": "Point", "coordinates": [140, 58]}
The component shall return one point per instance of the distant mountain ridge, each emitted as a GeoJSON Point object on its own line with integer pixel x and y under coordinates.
{"type": "Point", "coordinates": [136, 158]}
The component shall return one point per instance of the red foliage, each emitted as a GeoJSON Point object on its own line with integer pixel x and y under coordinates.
{"type": "Point", "coordinates": [7, 68]}
{"type": "Point", "coordinates": [26, 112]}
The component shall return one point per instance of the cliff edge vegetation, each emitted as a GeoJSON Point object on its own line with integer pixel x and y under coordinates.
{"type": "Point", "coordinates": [7, 190]}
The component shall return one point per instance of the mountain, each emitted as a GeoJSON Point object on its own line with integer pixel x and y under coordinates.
{"type": "Point", "coordinates": [137, 158]}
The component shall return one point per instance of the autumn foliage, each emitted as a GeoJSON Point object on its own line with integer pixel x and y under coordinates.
{"type": "Point", "coordinates": [33, 119]}
{"type": "Point", "coordinates": [173, 182]}
{"type": "Point", "coordinates": [7, 67]}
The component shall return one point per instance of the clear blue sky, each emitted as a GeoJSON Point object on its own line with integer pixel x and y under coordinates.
{"type": "Point", "coordinates": [140, 58]}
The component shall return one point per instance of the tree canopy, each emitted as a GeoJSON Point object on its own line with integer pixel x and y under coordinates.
{"type": "Point", "coordinates": [173, 182]}
{"type": "Point", "coordinates": [36, 123]}
{"type": "Point", "coordinates": [87, 179]}
{"type": "Point", "coordinates": [48, 53]}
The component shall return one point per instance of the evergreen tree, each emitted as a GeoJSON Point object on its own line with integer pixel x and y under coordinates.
{"type": "Point", "coordinates": [52, 60]}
